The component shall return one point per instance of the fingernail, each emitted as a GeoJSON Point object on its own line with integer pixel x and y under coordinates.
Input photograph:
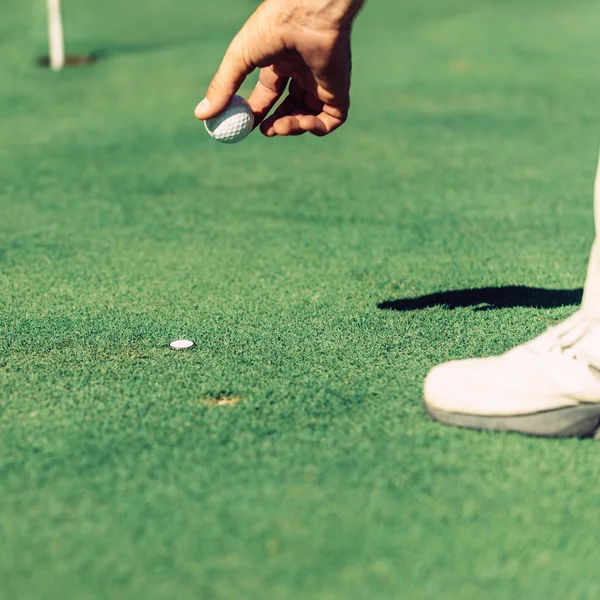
{"type": "Point", "coordinates": [202, 107]}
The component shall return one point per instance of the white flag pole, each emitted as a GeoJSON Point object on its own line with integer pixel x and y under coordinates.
{"type": "Point", "coordinates": [56, 35]}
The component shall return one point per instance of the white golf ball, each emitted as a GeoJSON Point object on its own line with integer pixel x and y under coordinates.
{"type": "Point", "coordinates": [233, 124]}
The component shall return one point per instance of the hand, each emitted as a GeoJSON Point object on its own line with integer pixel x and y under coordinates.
{"type": "Point", "coordinates": [303, 42]}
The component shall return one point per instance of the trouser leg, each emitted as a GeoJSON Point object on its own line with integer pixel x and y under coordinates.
{"type": "Point", "coordinates": [591, 296]}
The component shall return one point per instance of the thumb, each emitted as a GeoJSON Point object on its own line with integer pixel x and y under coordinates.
{"type": "Point", "coordinates": [231, 74]}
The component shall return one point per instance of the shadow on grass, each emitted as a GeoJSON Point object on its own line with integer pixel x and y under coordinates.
{"type": "Point", "coordinates": [106, 52]}
{"type": "Point", "coordinates": [489, 298]}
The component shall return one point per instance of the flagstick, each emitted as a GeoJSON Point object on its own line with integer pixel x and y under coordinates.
{"type": "Point", "coordinates": [55, 31]}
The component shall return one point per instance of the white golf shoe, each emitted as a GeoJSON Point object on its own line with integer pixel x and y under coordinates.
{"type": "Point", "coordinates": [547, 387]}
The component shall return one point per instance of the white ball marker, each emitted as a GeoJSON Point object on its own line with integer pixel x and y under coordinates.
{"type": "Point", "coordinates": [182, 345]}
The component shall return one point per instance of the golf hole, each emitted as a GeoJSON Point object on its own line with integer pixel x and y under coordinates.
{"type": "Point", "coordinates": [72, 60]}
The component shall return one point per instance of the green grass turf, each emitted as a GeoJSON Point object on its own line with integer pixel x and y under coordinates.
{"type": "Point", "coordinates": [468, 163]}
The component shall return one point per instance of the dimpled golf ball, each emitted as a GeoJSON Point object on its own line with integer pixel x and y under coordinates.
{"type": "Point", "coordinates": [233, 124]}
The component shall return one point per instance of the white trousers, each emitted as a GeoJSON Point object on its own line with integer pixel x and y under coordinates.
{"type": "Point", "coordinates": [591, 296]}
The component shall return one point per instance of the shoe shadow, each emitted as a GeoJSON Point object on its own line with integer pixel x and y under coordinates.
{"type": "Point", "coordinates": [489, 298]}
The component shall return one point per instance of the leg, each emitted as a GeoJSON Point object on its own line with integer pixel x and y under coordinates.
{"type": "Point", "coordinates": [591, 298]}
{"type": "Point", "coordinates": [548, 387]}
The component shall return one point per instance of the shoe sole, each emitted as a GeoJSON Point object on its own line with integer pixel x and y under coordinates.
{"type": "Point", "coordinates": [572, 421]}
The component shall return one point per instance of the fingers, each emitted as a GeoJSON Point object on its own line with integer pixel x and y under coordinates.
{"type": "Point", "coordinates": [298, 124]}
{"type": "Point", "coordinates": [301, 113]}
{"type": "Point", "coordinates": [285, 120]}
{"type": "Point", "coordinates": [231, 74]}
{"type": "Point", "coordinates": [266, 94]}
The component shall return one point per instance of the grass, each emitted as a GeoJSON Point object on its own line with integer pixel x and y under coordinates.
{"type": "Point", "coordinates": [288, 455]}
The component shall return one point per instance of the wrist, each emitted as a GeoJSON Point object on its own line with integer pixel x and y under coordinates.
{"type": "Point", "coordinates": [319, 14]}
{"type": "Point", "coordinates": [342, 11]}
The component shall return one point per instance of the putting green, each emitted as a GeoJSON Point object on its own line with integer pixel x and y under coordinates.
{"type": "Point", "coordinates": [288, 454]}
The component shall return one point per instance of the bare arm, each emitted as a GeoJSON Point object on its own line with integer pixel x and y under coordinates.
{"type": "Point", "coordinates": [305, 43]}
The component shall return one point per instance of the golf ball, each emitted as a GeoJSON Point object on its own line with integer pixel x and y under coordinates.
{"type": "Point", "coordinates": [233, 124]}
